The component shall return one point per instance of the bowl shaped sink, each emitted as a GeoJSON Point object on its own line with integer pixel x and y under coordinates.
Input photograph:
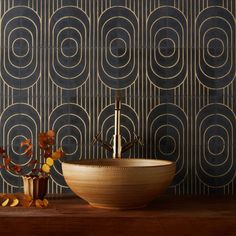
{"type": "Point", "coordinates": [118, 183]}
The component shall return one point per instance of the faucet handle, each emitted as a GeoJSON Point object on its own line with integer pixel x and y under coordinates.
{"type": "Point", "coordinates": [96, 138]}
{"type": "Point", "coordinates": [102, 143]}
{"type": "Point", "coordinates": [138, 139]}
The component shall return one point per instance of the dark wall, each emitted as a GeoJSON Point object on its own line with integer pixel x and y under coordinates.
{"type": "Point", "coordinates": [174, 61]}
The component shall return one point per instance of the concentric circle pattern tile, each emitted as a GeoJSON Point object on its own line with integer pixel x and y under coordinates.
{"type": "Point", "coordinates": [61, 62]}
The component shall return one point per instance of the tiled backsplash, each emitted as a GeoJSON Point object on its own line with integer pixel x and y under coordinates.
{"type": "Point", "coordinates": [174, 60]}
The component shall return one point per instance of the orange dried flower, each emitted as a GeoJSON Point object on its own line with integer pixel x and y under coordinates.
{"type": "Point", "coordinates": [28, 150]}
{"type": "Point", "coordinates": [2, 151]}
{"type": "Point", "coordinates": [43, 140]}
{"type": "Point", "coordinates": [58, 154]}
{"type": "Point", "coordinates": [26, 142]}
{"type": "Point", "coordinates": [16, 168]}
{"type": "Point", "coordinates": [7, 160]}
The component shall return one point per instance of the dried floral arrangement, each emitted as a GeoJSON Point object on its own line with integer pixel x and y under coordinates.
{"type": "Point", "coordinates": [46, 143]}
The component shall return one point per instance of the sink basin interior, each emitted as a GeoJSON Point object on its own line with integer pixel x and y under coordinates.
{"type": "Point", "coordinates": [123, 162]}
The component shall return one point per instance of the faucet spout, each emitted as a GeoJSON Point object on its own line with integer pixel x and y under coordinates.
{"type": "Point", "coordinates": [117, 147]}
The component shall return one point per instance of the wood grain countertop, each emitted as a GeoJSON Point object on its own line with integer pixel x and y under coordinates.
{"type": "Point", "coordinates": [168, 215]}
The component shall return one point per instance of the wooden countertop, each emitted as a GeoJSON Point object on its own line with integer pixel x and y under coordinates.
{"type": "Point", "coordinates": [168, 215]}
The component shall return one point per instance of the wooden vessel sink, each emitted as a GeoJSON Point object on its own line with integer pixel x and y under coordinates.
{"type": "Point", "coordinates": [118, 183]}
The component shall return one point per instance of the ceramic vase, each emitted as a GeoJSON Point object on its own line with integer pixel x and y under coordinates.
{"type": "Point", "coordinates": [35, 186]}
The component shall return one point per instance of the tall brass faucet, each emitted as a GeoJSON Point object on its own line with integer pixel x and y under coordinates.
{"type": "Point", "coordinates": [117, 149]}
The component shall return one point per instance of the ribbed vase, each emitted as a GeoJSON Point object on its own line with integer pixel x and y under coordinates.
{"type": "Point", "coordinates": [35, 186]}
